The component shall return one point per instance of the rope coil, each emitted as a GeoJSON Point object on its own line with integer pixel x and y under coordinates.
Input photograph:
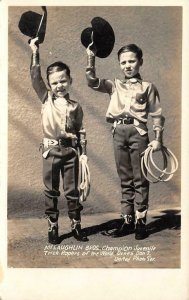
{"type": "Point", "coordinates": [147, 161]}
{"type": "Point", "coordinates": [84, 178]}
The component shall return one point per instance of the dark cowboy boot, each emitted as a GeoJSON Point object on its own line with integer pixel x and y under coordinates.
{"type": "Point", "coordinates": [77, 232]}
{"type": "Point", "coordinates": [126, 227]}
{"type": "Point", "coordinates": [53, 231]}
{"type": "Point", "coordinates": [140, 230]}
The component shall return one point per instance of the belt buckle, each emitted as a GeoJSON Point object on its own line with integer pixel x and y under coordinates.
{"type": "Point", "coordinates": [52, 142]}
{"type": "Point", "coordinates": [49, 143]}
{"type": "Point", "coordinates": [127, 120]}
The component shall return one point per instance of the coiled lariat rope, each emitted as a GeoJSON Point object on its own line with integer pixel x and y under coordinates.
{"type": "Point", "coordinates": [84, 178]}
{"type": "Point", "coordinates": [147, 161]}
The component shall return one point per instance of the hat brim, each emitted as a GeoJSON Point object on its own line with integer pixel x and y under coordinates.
{"type": "Point", "coordinates": [103, 37]}
{"type": "Point", "coordinates": [30, 25]}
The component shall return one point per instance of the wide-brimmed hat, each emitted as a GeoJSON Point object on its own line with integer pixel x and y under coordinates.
{"type": "Point", "coordinates": [33, 24]}
{"type": "Point", "coordinates": [103, 37]}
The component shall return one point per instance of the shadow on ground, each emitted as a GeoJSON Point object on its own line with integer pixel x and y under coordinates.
{"type": "Point", "coordinates": [95, 229]}
{"type": "Point", "coordinates": [169, 220]}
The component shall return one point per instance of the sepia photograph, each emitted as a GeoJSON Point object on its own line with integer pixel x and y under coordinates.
{"type": "Point", "coordinates": [94, 104]}
{"type": "Point", "coordinates": [117, 123]}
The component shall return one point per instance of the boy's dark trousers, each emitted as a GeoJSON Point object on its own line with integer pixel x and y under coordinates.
{"type": "Point", "coordinates": [128, 146]}
{"type": "Point", "coordinates": [69, 168]}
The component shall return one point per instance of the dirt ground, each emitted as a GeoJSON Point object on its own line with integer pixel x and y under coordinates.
{"type": "Point", "coordinates": [28, 246]}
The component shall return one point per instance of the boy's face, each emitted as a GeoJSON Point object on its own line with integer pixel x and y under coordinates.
{"type": "Point", "coordinates": [59, 83]}
{"type": "Point", "coordinates": [129, 64]}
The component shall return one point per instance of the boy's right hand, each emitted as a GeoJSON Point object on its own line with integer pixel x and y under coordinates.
{"type": "Point", "coordinates": [33, 44]}
{"type": "Point", "coordinates": [91, 49]}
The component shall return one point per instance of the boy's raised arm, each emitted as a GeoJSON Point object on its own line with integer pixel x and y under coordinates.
{"type": "Point", "coordinates": [35, 72]}
{"type": "Point", "coordinates": [101, 85]}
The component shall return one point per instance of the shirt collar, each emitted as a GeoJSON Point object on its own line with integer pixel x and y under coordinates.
{"type": "Point", "coordinates": [67, 96]}
{"type": "Point", "coordinates": [135, 79]}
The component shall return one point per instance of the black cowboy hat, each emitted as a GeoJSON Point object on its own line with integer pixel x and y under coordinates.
{"type": "Point", "coordinates": [33, 24]}
{"type": "Point", "coordinates": [103, 37]}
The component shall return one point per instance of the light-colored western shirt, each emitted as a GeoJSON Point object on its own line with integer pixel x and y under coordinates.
{"type": "Point", "coordinates": [59, 115]}
{"type": "Point", "coordinates": [132, 97]}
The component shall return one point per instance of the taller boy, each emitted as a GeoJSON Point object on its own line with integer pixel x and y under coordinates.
{"type": "Point", "coordinates": [131, 101]}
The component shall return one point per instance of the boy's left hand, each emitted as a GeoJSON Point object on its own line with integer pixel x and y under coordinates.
{"type": "Point", "coordinates": [156, 145]}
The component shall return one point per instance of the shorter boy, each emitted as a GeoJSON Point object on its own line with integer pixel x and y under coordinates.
{"type": "Point", "coordinates": [62, 134]}
{"type": "Point", "coordinates": [131, 101]}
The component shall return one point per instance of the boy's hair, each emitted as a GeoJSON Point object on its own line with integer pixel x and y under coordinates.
{"type": "Point", "coordinates": [57, 67]}
{"type": "Point", "coordinates": [132, 48]}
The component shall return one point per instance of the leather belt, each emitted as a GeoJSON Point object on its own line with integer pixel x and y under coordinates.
{"type": "Point", "coordinates": [127, 120]}
{"type": "Point", "coordinates": [49, 142]}
{"type": "Point", "coordinates": [68, 142]}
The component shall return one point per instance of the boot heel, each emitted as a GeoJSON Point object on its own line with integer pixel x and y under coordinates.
{"type": "Point", "coordinates": [126, 227]}
{"type": "Point", "coordinates": [53, 237]}
{"type": "Point", "coordinates": [140, 230]}
{"type": "Point", "coordinates": [77, 232]}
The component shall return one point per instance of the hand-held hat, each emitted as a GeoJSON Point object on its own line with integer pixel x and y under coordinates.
{"type": "Point", "coordinates": [103, 37]}
{"type": "Point", "coordinates": [33, 24]}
